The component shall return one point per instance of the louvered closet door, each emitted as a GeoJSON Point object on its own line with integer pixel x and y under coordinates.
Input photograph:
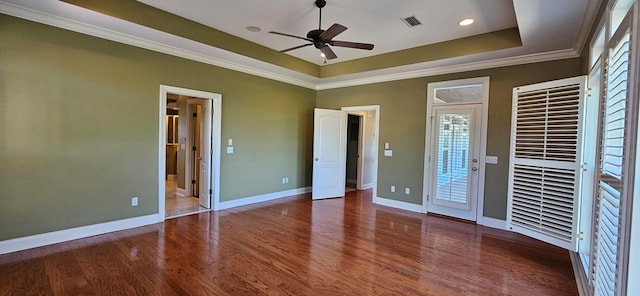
{"type": "Point", "coordinates": [546, 133]}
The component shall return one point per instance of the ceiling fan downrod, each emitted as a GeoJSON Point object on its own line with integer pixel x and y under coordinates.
{"type": "Point", "coordinates": [320, 4]}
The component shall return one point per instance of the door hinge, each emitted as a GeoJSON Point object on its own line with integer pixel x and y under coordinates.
{"type": "Point", "coordinates": [581, 235]}
{"type": "Point", "coordinates": [427, 197]}
{"type": "Point", "coordinates": [193, 181]}
{"type": "Point", "coordinates": [195, 114]}
{"type": "Point", "coordinates": [194, 148]}
{"type": "Point", "coordinates": [210, 191]}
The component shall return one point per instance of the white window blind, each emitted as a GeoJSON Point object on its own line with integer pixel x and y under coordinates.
{"type": "Point", "coordinates": [545, 168]}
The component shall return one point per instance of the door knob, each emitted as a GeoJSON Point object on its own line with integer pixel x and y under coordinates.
{"type": "Point", "coordinates": [474, 169]}
{"type": "Point", "coordinates": [474, 160]}
{"type": "Point", "coordinates": [316, 159]}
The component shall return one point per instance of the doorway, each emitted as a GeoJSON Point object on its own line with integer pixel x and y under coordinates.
{"type": "Point", "coordinates": [362, 139]}
{"type": "Point", "coordinates": [354, 151]}
{"type": "Point", "coordinates": [190, 151]}
{"type": "Point", "coordinates": [455, 148]}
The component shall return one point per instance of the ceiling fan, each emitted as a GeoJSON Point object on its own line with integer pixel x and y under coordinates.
{"type": "Point", "coordinates": [321, 39]}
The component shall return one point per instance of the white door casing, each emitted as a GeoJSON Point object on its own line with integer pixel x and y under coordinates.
{"type": "Point", "coordinates": [480, 99]}
{"type": "Point", "coordinates": [329, 153]}
{"type": "Point", "coordinates": [215, 124]}
{"type": "Point", "coordinates": [455, 161]}
{"type": "Point", "coordinates": [369, 150]}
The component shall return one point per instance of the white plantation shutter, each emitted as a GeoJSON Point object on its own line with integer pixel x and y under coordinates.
{"type": "Point", "coordinates": [606, 269]}
{"type": "Point", "coordinates": [546, 141]}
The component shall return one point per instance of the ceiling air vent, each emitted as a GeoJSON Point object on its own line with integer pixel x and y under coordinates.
{"type": "Point", "coordinates": [411, 21]}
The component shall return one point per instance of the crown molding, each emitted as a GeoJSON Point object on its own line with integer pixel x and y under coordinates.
{"type": "Point", "coordinates": [495, 63]}
{"type": "Point", "coordinates": [88, 29]}
{"type": "Point", "coordinates": [229, 60]}
{"type": "Point", "coordinates": [591, 16]}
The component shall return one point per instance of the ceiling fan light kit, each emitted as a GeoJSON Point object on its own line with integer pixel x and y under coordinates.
{"type": "Point", "coordinates": [323, 39]}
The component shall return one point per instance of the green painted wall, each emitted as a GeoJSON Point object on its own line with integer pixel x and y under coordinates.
{"type": "Point", "coordinates": [403, 119]}
{"type": "Point", "coordinates": [79, 128]}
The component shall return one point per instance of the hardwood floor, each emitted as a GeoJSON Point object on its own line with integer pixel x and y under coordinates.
{"type": "Point", "coordinates": [295, 246]}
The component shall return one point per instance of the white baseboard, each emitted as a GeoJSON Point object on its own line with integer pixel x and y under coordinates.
{"type": "Point", "coordinates": [578, 271]}
{"type": "Point", "coordinates": [39, 240]}
{"type": "Point", "coordinates": [493, 223]}
{"type": "Point", "coordinates": [367, 186]}
{"type": "Point", "coordinates": [180, 192]}
{"type": "Point", "coordinates": [397, 204]}
{"type": "Point", "coordinates": [262, 198]}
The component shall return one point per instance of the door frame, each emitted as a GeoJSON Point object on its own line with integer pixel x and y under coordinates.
{"type": "Point", "coordinates": [215, 137]}
{"type": "Point", "coordinates": [431, 87]}
{"type": "Point", "coordinates": [376, 135]}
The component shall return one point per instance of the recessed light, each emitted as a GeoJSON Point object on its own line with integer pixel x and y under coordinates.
{"type": "Point", "coordinates": [253, 29]}
{"type": "Point", "coordinates": [465, 22]}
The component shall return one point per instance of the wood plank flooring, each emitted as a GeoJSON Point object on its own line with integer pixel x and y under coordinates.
{"type": "Point", "coordinates": [295, 246]}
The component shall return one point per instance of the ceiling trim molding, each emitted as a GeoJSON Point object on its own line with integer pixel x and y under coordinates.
{"type": "Point", "coordinates": [308, 82]}
{"type": "Point", "coordinates": [496, 63]}
{"type": "Point", "coordinates": [80, 27]}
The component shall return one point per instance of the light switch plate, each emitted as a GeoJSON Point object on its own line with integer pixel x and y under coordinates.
{"type": "Point", "coordinates": [230, 142]}
{"type": "Point", "coordinates": [388, 153]}
{"type": "Point", "coordinates": [229, 150]}
{"type": "Point", "coordinates": [491, 159]}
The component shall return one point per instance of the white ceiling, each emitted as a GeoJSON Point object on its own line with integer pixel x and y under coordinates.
{"type": "Point", "coordinates": [377, 22]}
{"type": "Point", "coordinates": [549, 29]}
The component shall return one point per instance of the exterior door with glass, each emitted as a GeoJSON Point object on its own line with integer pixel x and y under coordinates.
{"type": "Point", "coordinates": [455, 161]}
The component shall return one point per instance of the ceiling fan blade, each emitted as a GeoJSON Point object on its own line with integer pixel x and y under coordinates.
{"type": "Point", "coordinates": [328, 53]}
{"type": "Point", "coordinates": [292, 36]}
{"type": "Point", "coordinates": [296, 47]}
{"type": "Point", "coordinates": [333, 31]}
{"type": "Point", "coordinates": [357, 45]}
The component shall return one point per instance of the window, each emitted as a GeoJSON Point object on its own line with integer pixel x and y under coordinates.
{"type": "Point", "coordinates": [609, 252]}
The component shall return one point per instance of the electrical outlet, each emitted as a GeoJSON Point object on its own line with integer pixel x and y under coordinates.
{"type": "Point", "coordinates": [393, 188]}
{"type": "Point", "coordinates": [134, 201]}
{"type": "Point", "coordinates": [407, 190]}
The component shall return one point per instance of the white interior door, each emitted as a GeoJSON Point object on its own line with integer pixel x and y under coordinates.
{"type": "Point", "coordinates": [329, 153]}
{"type": "Point", "coordinates": [205, 155]}
{"type": "Point", "coordinates": [455, 162]}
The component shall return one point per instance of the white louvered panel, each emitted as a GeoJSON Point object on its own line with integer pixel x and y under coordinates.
{"type": "Point", "coordinates": [544, 170]}
{"type": "Point", "coordinates": [608, 217]}
{"type": "Point", "coordinates": [607, 220]}
{"type": "Point", "coordinates": [615, 110]}
{"type": "Point", "coordinates": [543, 200]}
{"type": "Point", "coordinates": [547, 123]}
